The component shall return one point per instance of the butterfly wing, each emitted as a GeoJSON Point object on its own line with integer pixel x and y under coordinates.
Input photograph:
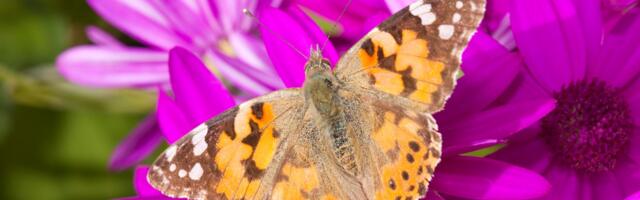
{"type": "Point", "coordinates": [406, 149]}
{"type": "Point", "coordinates": [414, 56]}
{"type": "Point", "coordinates": [232, 155]}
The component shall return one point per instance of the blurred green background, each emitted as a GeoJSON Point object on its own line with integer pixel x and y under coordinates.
{"type": "Point", "coordinates": [56, 138]}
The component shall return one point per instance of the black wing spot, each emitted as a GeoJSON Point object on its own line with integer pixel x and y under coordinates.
{"type": "Point", "coordinates": [414, 146]}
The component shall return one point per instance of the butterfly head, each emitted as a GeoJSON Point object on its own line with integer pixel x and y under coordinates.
{"type": "Point", "coordinates": [317, 64]}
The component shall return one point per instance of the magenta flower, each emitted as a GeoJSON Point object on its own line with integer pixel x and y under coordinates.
{"type": "Point", "coordinates": [465, 126]}
{"type": "Point", "coordinates": [588, 147]}
{"type": "Point", "coordinates": [217, 31]}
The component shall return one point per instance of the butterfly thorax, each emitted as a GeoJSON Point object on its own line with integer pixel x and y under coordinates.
{"type": "Point", "coordinates": [321, 93]}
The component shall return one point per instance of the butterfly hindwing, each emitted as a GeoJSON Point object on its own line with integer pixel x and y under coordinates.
{"type": "Point", "coordinates": [415, 54]}
{"type": "Point", "coordinates": [407, 148]}
{"type": "Point", "coordinates": [229, 156]}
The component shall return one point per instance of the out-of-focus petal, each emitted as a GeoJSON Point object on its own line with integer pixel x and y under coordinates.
{"type": "Point", "coordinates": [552, 43]}
{"type": "Point", "coordinates": [619, 4]}
{"type": "Point", "coordinates": [250, 81]}
{"type": "Point", "coordinates": [143, 21]}
{"type": "Point", "coordinates": [184, 22]}
{"type": "Point", "coordinates": [174, 123]}
{"type": "Point", "coordinates": [351, 21]}
{"type": "Point", "coordinates": [496, 123]}
{"type": "Point", "coordinates": [396, 5]}
{"type": "Point", "coordinates": [534, 154]}
{"type": "Point", "coordinates": [433, 195]}
{"type": "Point", "coordinates": [197, 92]}
{"type": "Point", "coordinates": [138, 145]}
{"type": "Point", "coordinates": [317, 35]}
{"type": "Point", "coordinates": [621, 50]}
{"type": "Point", "coordinates": [496, 11]}
{"type": "Point", "coordinates": [483, 178]}
{"type": "Point", "coordinates": [100, 37]}
{"type": "Point", "coordinates": [113, 67]}
{"type": "Point", "coordinates": [488, 70]}
{"type": "Point", "coordinates": [592, 27]}
{"type": "Point", "coordinates": [300, 31]}
{"type": "Point", "coordinates": [250, 50]}
{"type": "Point", "coordinates": [634, 196]}
{"type": "Point", "coordinates": [140, 183]}
{"type": "Point", "coordinates": [158, 197]}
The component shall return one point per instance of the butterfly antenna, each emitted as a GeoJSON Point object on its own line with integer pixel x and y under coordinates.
{"type": "Point", "coordinates": [248, 13]}
{"type": "Point", "coordinates": [334, 26]}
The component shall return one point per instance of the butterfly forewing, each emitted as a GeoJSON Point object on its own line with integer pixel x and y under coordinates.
{"type": "Point", "coordinates": [413, 57]}
{"type": "Point", "coordinates": [231, 155]}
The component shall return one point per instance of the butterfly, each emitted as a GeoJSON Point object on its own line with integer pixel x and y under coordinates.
{"type": "Point", "coordinates": [362, 131]}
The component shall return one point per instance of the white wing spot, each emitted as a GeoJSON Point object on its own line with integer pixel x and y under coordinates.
{"type": "Point", "coordinates": [456, 17]}
{"type": "Point", "coordinates": [201, 132]}
{"type": "Point", "coordinates": [459, 4]}
{"type": "Point", "coordinates": [196, 172]}
{"type": "Point", "coordinates": [182, 173]}
{"type": "Point", "coordinates": [198, 139]}
{"type": "Point", "coordinates": [172, 167]}
{"type": "Point", "coordinates": [170, 153]}
{"type": "Point", "coordinates": [199, 148]}
{"type": "Point", "coordinates": [446, 31]}
{"type": "Point", "coordinates": [428, 19]}
{"type": "Point", "coordinates": [419, 9]}
{"type": "Point", "coordinates": [415, 4]}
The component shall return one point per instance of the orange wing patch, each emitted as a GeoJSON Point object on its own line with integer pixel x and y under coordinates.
{"type": "Point", "coordinates": [401, 67]}
{"type": "Point", "coordinates": [245, 151]}
{"type": "Point", "coordinates": [299, 181]}
{"type": "Point", "coordinates": [412, 151]}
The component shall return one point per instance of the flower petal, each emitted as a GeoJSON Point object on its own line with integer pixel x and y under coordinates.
{"type": "Point", "coordinates": [138, 145]}
{"type": "Point", "coordinates": [351, 22]}
{"type": "Point", "coordinates": [488, 70]}
{"type": "Point", "coordinates": [482, 178]}
{"type": "Point", "coordinates": [102, 66]}
{"type": "Point", "coordinates": [628, 175]}
{"type": "Point", "coordinates": [140, 20]}
{"type": "Point", "coordinates": [496, 11]}
{"type": "Point", "coordinates": [140, 183]}
{"type": "Point", "coordinates": [197, 92]}
{"type": "Point", "coordinates": [251, 50]}
{"type": "Point", "coordinates": [186, 23]}
{"type": "Point", "coordinates": [564, 181]}
{"type": "Point", "coordinates": [157, 197]}
{"type": "Point", "coordinates": [621, 52]}
{"type": "Point", "coordinates": [634, 196]}
{"type": "Point", "coordinates": [534, 154]}
{"type": "Point", "coordinates": [173, 122]}
{"type": "Point", "coordinates": [497, 123]}
{"type": "Point", "coordinates": [396, 5]}
{"type": "Point", "coordinates": [300, 31]}
{"type": "Point", "coordinates": [100, 37]}
{"type": "Point", "coordinates": [552, 43]}
{"type": "Point", "coordinates": [607, 185]}
{"type": "Point", "coordinates": [242, 76]}
{"type": "Point", "coordinates": [634, 145]}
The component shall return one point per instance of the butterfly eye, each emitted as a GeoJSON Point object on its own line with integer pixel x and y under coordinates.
{"type": "Point", "coordinates": [326, 64]}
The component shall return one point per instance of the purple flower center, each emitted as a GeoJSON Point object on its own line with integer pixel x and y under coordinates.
{"type": "Point", "coordinates": [590, 126]}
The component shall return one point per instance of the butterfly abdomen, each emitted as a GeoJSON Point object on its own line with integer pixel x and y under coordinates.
{"type": "Point", "coordinates": [342, 145]}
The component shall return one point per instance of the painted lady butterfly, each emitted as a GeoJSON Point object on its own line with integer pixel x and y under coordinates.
{"type": "Point", "coordinates": [363, 131]}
